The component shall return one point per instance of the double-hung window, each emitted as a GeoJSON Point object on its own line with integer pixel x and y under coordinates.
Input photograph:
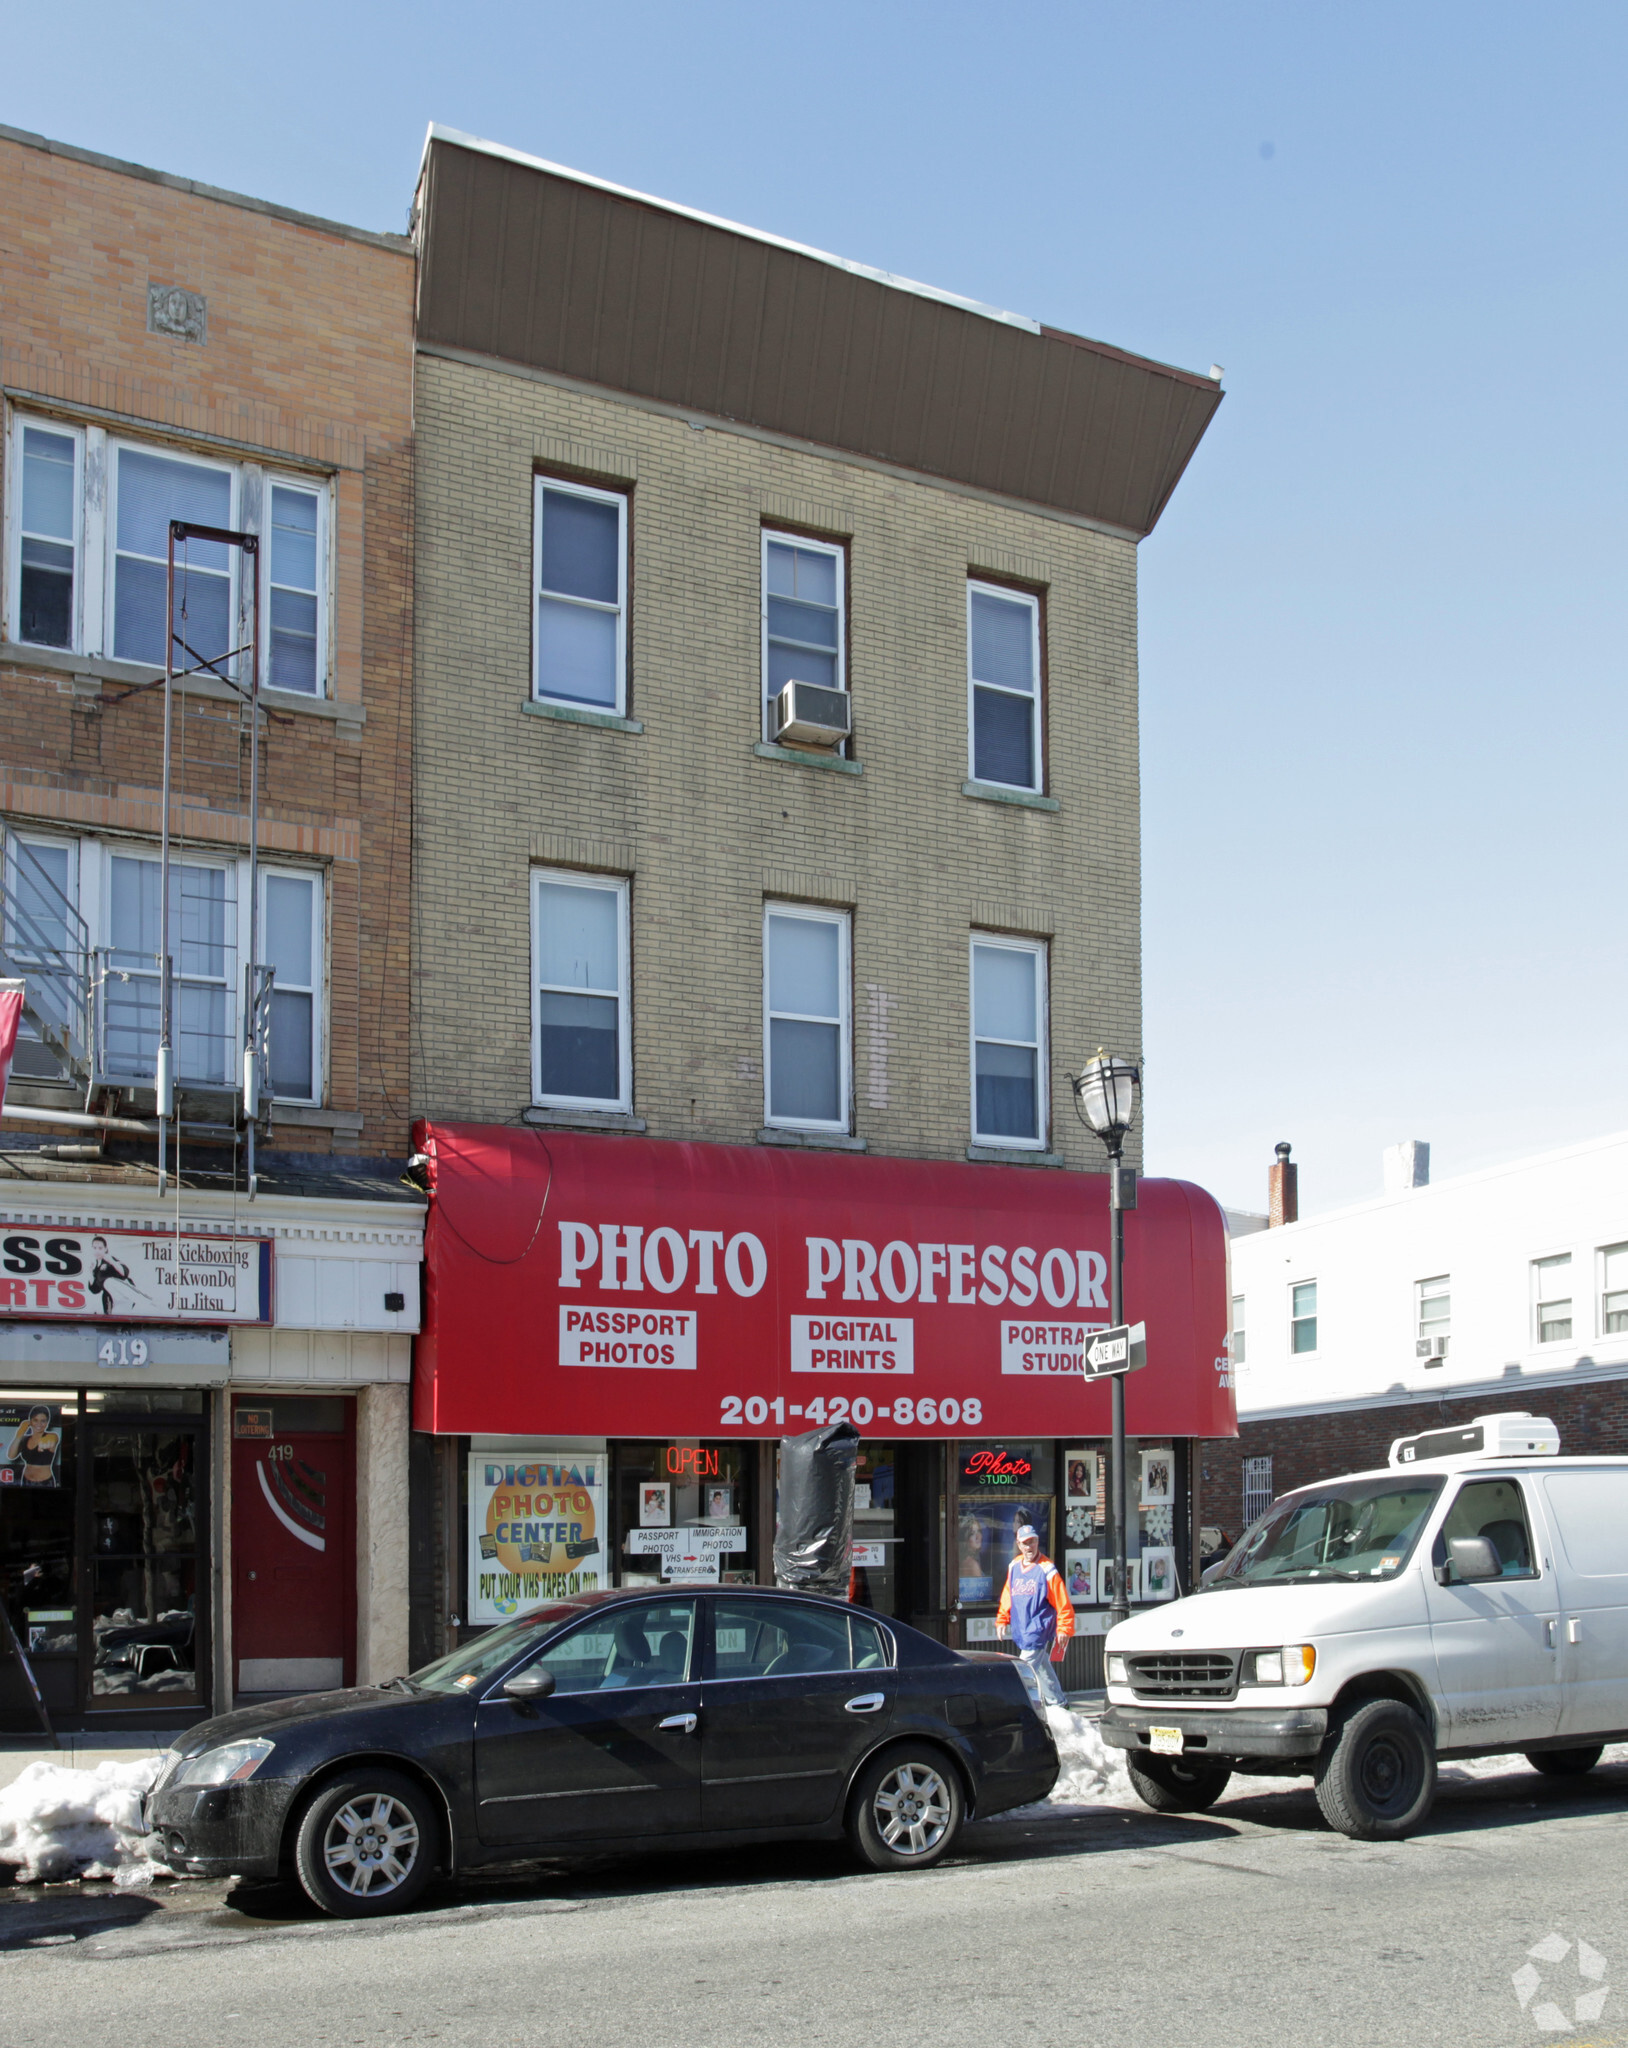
{"type": "Point", "coordinates": [1257, 1489]}
{"type": "Point", "coordinates": [1433, 1315]}
{"type": "Point", "coordinates": [1236, 1344]}
{"type": "Point", "coordinates": [581, 1045]}
{"type": "Point", "coordinates": [580, 568]}
{"type": "Point", "coordinates": [1551, 1299]}
{"type": "Point", "coordinates": [1303, 1316]}
{"type": "Point", "coordinates": [203, 946]}
{"type": "Point", "coordinates": [1003, 685]}
{"type": "Point", "coordinates": [1009, 1105]}
{"type": "Point", "coordinates": [806, 1017]}
{"type": "Point", "coordinates": [88, 523]}
{"type": "Point", "coordinates": [1614, 1290]}
{"type": "Point", "coordinates": [291, 945]}
{"type": "Point", "coordinates": [803, 633]}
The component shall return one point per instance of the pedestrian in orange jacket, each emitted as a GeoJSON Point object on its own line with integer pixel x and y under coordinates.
{"type": "Point", "coordinates": [1037, 1613]}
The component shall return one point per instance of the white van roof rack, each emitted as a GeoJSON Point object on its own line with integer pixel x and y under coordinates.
{"type": "Point", "coordinates": [1515, 1434]}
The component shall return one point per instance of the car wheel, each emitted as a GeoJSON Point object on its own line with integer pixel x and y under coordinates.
{"type": "Point", "coordinates": [1170, 1785]}
{"type": "Point", "coordinates": [1376, 1780]}
{"type": "Point", "coordinates": [366, 1845]}
{"type": "Point", "coordinates": [1565, 1763]}
{"type": "Point", "coordinates": [906, 1810]}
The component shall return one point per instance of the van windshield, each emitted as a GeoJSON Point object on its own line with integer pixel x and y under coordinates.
{"type": "Point", "coordinates": [1360, 1529]}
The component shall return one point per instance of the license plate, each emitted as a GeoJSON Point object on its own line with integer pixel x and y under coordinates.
{"type": "Point", "coordinates": [1165, 1741]}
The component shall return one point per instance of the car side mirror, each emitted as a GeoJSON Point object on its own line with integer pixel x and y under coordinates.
{"type": "Point", "coordinates": [1469, 1559]}
{"type": "Point", "coordinates": [529, 1685]}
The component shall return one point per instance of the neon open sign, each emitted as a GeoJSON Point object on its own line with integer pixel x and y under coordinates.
{"type": "Point", "coordinates": [697, 1464]}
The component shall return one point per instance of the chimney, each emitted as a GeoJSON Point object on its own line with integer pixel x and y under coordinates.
{"type": "Point", "coordinates": [1407, 1166]}
{"type": "Point", "coordinates": [1283, 1189]}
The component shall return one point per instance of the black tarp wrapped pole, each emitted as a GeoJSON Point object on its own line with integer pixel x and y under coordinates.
{"type": "Point", "coordinates": [814, 1525]}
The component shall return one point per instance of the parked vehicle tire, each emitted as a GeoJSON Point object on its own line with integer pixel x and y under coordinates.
{"type": "Point", "coordinates": [1566, 1763]}
{"type": "Point", "coordinates": [366, 1844]}
{"type": "Point", "coordinates": [906, 1809]}
{"type": "Point", "coordinates": [1170, 1784]}
{"type": "Point", "coordinates": [1376, 1780]}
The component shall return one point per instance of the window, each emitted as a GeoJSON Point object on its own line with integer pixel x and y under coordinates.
{"type": "Point", "coordinates": [768, 1639]}
{"type": "Point", "coordinates": [87, 565]}
{"type": "Point", "coordinates": [1003, 685]}
{"type": "Point", "coordinates": [1257, 1488]}
{"type": "Point", "coordinates": [631, 1646]}
{"type": "Point", "coordinates": [1303, 1316]}
{"type": "Point", "coordinates": [45, 945]}
{"type": "Point", "coordinates": [581, 570]}
{"type": "Point", "coordinates": [1614, 1290]}
{"type": "Point", "coordinates": [1433, 1315]}
{"type": "Point", "coordinates": [44, 573]}
{"type": "Point", "coordinates": [581, 1056]}
{"type": "Point", "coordinates": [1551, 1299]}
{"type": "Point", "coordinates": [1237, 1343]}
{"type": "Point", "coordinates": [291, 944]}
{"type": "Point", "coordinates": [802, 616]}
{"type": "Point", "coordinates": [1492, 1508]}
{"type": "Point", "coordinates": [805, 1017]}
{"type": "Point", "coordinates": [203, 948]}
{"type": "Point", "coordinates": [1008, 1043]}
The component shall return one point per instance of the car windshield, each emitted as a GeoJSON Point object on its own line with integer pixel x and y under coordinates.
{"type": "Point", "coordinates": [471, 1666]}
{"type": "Point", "coordinates": [1354, 1529]}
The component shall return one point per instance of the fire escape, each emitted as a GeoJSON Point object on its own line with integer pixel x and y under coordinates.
{"type": "Point", "coordinates": [105, 1026]}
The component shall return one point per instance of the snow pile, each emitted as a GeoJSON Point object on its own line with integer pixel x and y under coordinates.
{"type": "Point", "coordinates": [57, 1822]}
{"type": "Point", "coordinates": [1092, 1773]}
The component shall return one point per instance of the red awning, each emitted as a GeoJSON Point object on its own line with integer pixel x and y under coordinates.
{"type": "Point", "coordinates": [609, 1286]}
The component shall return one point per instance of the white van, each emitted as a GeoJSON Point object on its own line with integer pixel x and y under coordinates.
{"type": "Point", "coordinates": [1469, 1600]}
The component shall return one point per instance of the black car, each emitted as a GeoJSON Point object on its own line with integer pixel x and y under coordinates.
{"type": "Point", "coordinates": [632, 1720]}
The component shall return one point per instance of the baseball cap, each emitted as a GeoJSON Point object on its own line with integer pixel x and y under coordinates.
{"type": "Point", "coordinates": [1027, 1529]}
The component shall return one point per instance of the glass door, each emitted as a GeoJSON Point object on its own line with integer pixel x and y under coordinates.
{"type": "Point", "coordinates": [144, 1559]}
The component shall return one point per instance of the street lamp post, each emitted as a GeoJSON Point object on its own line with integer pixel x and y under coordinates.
{"type": "Point", "coordinates": [1105, 1102]}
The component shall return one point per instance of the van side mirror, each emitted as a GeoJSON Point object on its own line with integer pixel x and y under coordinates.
{"type": "Point", "coordinates": [1469, 1559]}
{"type": "Point", "coordinates": [530, 1685]}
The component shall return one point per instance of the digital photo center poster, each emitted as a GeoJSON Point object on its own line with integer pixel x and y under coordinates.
{"type": "Point", "coordinates": [536, 1528]}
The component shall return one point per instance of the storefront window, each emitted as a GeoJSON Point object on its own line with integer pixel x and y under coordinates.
{"type": "Point", "coordinates": [1002, 1485]}
{"type": "Point", "coordinates": [38, 1471]}
{"type": "Point", "coordinates": [878, 1564]}
{"type": "Point", "coordinates": [1150, 1527]}
{"type": "Point", "coordinates": [145, 1532]}
{"type": "Point", "coordinates": [687, 1513]}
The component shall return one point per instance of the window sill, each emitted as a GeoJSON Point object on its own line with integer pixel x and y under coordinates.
{"type": "Point", "coordinates": [1011, 1155]}
{"type": "Point", "coordinates": [539, 1115]}
{"type": "Point", "coordinates": [97, 668]}
{"type": "Point", "coordinates": [311, 1118]}
{"type": "Point", "coordinates": [997, 793]}
{"type": "Point", "coordinates": [810, 1141]}
{"type": "Point", "coordinates": [572, 714]}
{"type": "Point", "coordinates": [799, 758]}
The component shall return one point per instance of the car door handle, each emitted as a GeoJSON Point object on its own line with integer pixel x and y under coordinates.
{"type": "Point", "coordinates": [1548, 1635]}
{"type": "Point", "coordinates": [684, 1722]}
{"type": "Point", "coordinates": [1574, 1630]}
{"type": "Point", "coordinates": [866, 1702]}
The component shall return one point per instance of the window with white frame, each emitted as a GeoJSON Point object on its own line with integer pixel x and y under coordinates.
{"type": "Point", "coordinates": [110, 892]}
{"type": "Point", "coordinates": [1003, 685]}
{"type": "Point", "coordinates": [806, 1017]}
{"type": "Point", "coordinates": [1236, 1342]}
{"type": "Point", "coordinates": [1432, 1315]}
{"type": "Point", "coordinates": [580, 569]}
{"type": "Point", "coordinates": [1257, 1488]}
{"type": "Point", "coordinates": [1551, 1299]}
{"type": "Point", "coordinates": [581, 1044]}
{"type": "Point", "coordinates": [1009, 1105]}
{"type": "Point", "coordinates": [803, 629]}
{"type": "Point", "coordinates": [86, 567]}
{"type": "Point", "coordinates": [1303, 1316]}
{"type": "Point", "coordinates": [1614, 1290]}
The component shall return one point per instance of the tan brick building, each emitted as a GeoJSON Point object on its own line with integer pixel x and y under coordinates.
{"type": "Point", "coordinates": [665, 466]}
{"type": "Point", "coordinates": [169, 351]}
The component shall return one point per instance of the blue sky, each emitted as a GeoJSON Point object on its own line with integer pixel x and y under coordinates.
{"type": "Point", "coordinates": [1382, 621]}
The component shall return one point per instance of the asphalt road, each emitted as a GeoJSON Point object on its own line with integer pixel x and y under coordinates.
{"type": "Point", "coordinates": [1250, 1927]}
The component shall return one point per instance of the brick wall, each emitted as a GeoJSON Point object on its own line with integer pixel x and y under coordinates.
{"type": "Point", "coordinates": [1305, 1448]}
{"type": "Point", "coordinates": [706, 829]}
{"type": "Point", "coordinates": [307, 362]}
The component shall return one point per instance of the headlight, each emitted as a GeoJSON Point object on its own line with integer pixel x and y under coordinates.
{"type": "Point", "coordinates": [1291, 1666]}
{"type": "Point", "coordinates": [228, 1765]}
{"type": "Point", "coordinates": [1116, 1671]}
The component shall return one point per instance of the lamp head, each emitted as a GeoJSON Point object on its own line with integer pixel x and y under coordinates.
{"type": "Point", "coordinates": [1105, 1096]}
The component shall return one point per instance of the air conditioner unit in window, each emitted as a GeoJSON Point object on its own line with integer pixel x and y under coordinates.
{"type": "Point", "coordinates": [806, 715]}
{"type": "Point", "coordinates": [1431, 1349]}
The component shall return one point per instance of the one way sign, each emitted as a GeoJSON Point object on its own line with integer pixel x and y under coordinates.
{"type": "Point", "coordinates": [1122, 1349]}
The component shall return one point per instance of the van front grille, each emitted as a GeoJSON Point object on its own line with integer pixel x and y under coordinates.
{"type": "Point", "coordinates": [1185, 1674]}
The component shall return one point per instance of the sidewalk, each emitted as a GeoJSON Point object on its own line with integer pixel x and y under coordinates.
{"type": "Point", "coordinates": [80, 1750]}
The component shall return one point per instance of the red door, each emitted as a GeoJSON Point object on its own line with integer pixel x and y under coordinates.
{"type": "Point", "coordinates": [293, 1543]}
